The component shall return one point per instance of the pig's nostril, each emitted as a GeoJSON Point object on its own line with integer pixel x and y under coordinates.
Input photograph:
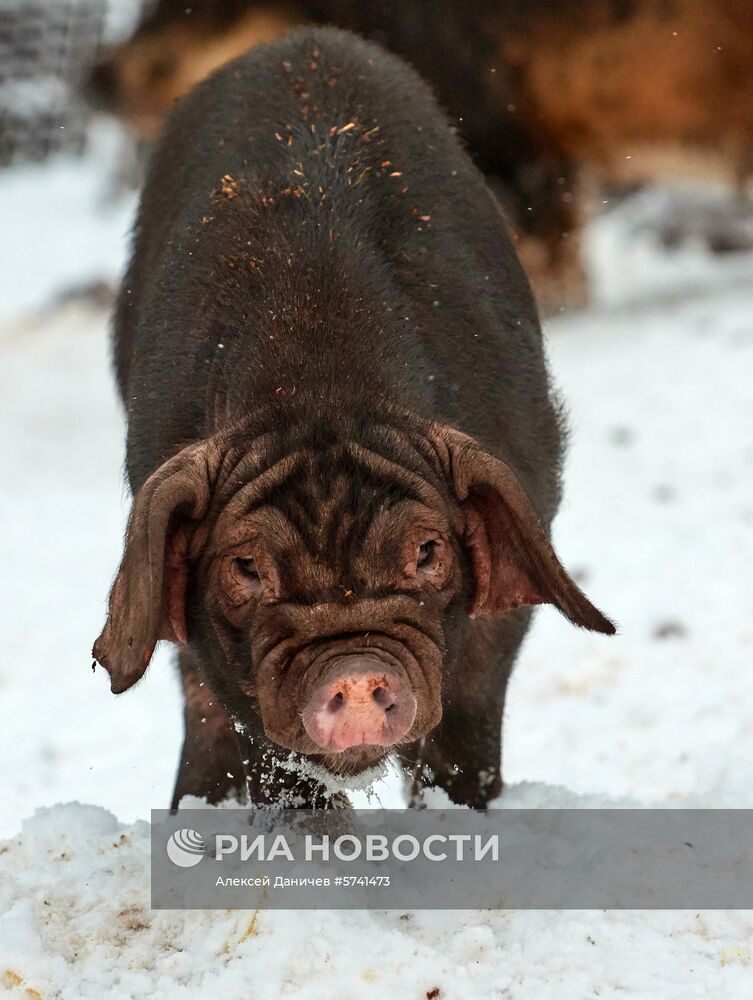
{"type": "Point", "coordinates": [382, 697]}
{"type": "Point", "coordinates": [336, 702]}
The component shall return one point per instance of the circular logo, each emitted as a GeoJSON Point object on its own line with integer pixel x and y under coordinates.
{"type": "Point", "coordinates": [185, 848]}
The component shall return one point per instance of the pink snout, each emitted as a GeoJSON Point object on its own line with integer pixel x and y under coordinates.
{"type": "Point", "coordinates": [362, 702]}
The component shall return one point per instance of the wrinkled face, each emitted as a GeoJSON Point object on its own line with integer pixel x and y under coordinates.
{"type": "Point", "coordinates": [329, 597]}
{"type": "Point", "coordinates": [322, 589]}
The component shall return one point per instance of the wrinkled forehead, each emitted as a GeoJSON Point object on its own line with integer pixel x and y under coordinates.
{"type": "Point", "coordinates": [330, 495]}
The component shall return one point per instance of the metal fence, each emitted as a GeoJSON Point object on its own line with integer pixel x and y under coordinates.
{"type": "Point", "coordinates": [47, 48]}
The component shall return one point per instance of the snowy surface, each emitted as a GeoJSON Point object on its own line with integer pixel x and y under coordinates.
{"type": "Point", "coordinates": [657, 522]}
{"type": "Point", "coordinates": [78, 922]}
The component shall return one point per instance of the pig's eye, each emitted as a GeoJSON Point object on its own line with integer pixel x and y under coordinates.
{"type": "Point", "coordinates": [425, 554]}
{"type": "Point", "coordinates": [247, 566]}
{"type": "Point", "coordinates": [243, 582]}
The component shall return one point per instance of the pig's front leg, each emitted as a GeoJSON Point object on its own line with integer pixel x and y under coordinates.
{"type": "Point", "coordinates": [463, 755]}
{"type": "Point", "coordinates": [220, 759]}
{"type": "Point", "coordinates": [210, 763]}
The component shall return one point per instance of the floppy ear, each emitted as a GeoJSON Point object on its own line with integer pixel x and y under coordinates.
{"type": "Point", "coordinates": [513, 561]}
{"type": "Point", "coordinates": [147, 600]}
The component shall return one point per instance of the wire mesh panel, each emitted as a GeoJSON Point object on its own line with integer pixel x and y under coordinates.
{"type": "Point", "coordinates": [46, 50]}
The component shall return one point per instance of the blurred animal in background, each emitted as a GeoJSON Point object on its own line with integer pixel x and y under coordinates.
{"type": "Point", "coordinates": [553, 97]}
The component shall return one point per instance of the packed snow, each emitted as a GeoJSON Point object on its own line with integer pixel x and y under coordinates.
{"type": "Point", "coordinates": [657, 524]}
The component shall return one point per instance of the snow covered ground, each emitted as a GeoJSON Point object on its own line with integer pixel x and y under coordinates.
{"type": "Point", "coordinates": [657, 521]}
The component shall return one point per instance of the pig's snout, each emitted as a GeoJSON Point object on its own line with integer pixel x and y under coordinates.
{"type": "Point", "coordinates": [361, 702]}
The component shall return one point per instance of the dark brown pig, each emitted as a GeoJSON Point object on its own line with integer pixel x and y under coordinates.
{"type": "Point", "coordinates": [342, 443]}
